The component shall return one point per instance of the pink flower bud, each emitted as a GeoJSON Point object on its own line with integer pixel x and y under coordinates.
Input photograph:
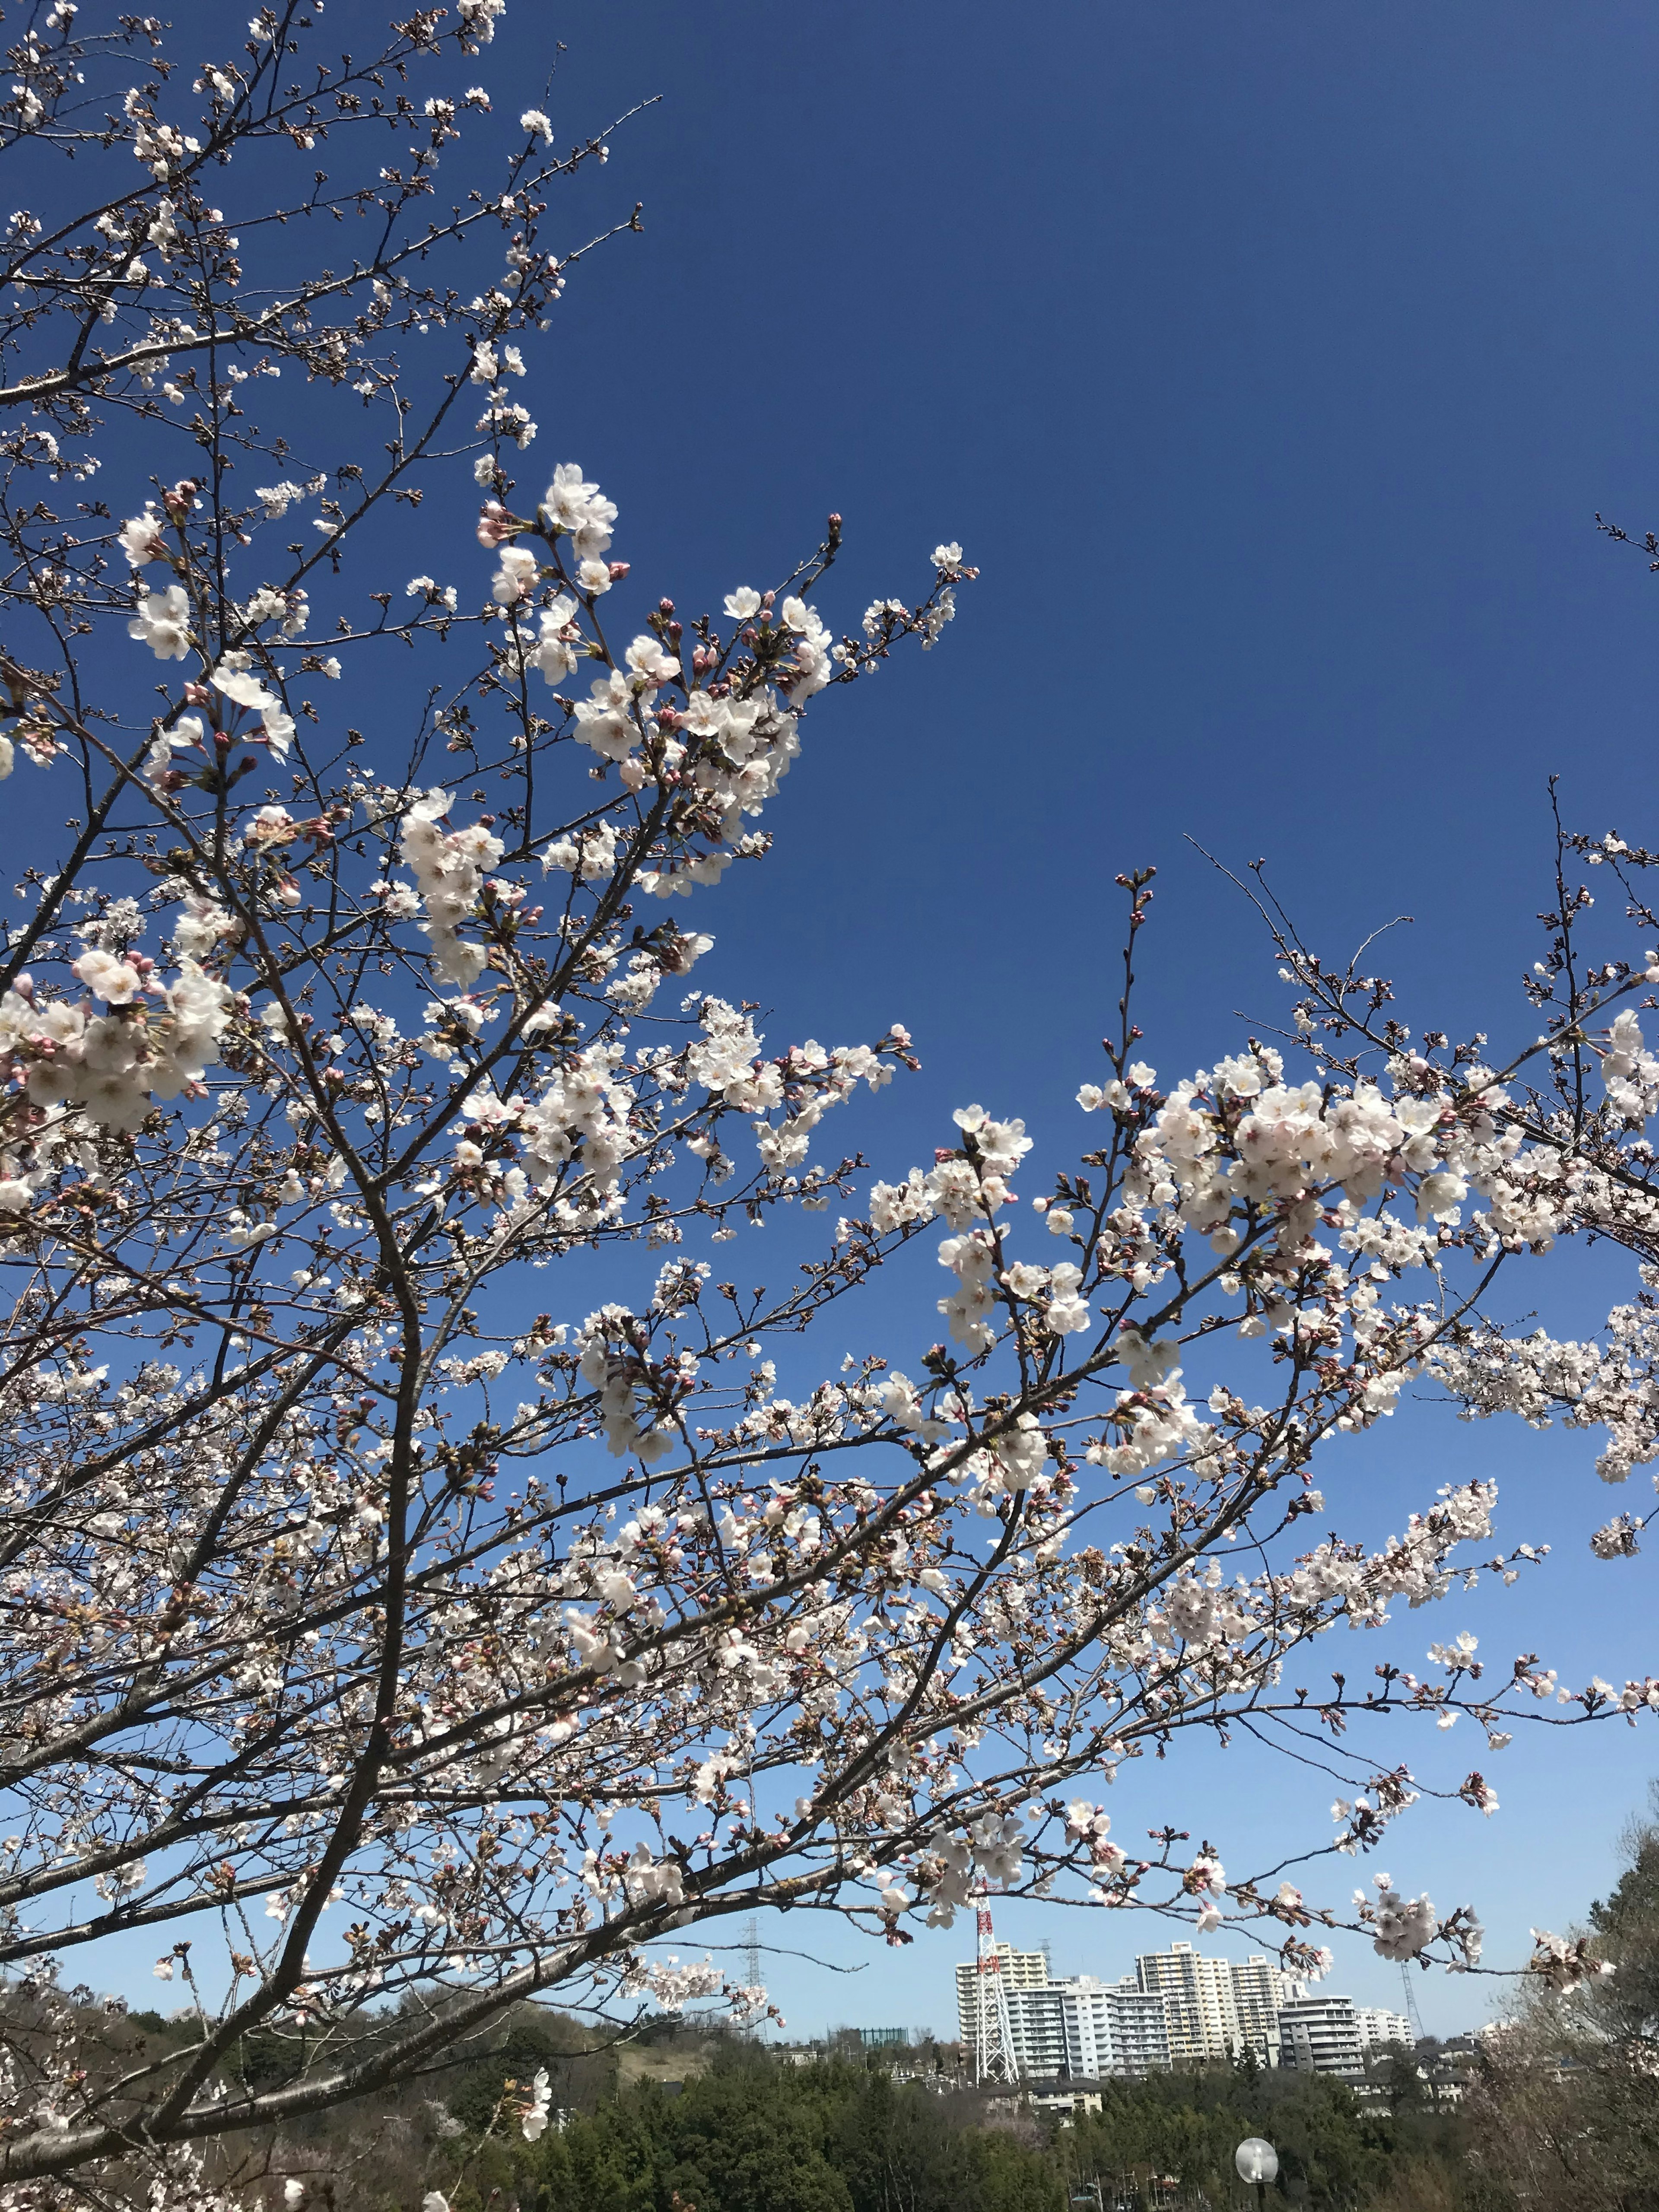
{"type": "Point", "coordinates": [495, 525]}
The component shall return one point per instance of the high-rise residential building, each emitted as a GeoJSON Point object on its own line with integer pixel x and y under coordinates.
{"type": "Point", "coordinates": [1379, 2028]}
{"type": "Point", "coordinates": [1177, 2006]}
{"type": "Point", "coordinates": [1219, 2007]}
{"type": "Point", "coordinates": [1198, 2000]}
{"type": "Point", "coordinates": [1020, 1969]}
{"type": "Point", "coordinates": [1140, 2029]}
{"type": "Point", "coordinates": [1078, 2028]}
{"type": "Point", "coordinates": [1321, 2035]}
{"type": "Point", "coordinates": [1037, 2024]}
{"type": "Point", "coordinates": [1261, 1990]}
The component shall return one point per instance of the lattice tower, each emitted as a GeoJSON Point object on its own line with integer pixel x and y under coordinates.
{"type": "Point", "coordinates": [1411, 2012]}
{"type": "Point", "coordinates": [994, 2059]}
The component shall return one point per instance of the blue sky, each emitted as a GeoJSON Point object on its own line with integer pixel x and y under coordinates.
{"type": "Point", "coordinates": [1272, 362]}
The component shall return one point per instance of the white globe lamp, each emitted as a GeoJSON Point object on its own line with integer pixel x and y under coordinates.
{"type": "Point", "coordinates": [1257, 2161]}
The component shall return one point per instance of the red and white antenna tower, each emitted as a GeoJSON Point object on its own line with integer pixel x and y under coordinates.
{"type": "Point", "coordinates": [994, 2034]}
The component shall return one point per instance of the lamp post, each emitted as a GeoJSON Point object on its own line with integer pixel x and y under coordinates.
{"type": "Point", "coordinates": [1257, 2161]}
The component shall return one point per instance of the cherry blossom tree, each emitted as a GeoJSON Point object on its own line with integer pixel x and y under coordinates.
{"type": "Point", "coordinates": [392, 1633]}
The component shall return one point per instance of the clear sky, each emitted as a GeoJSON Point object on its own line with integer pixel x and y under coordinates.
{"type": "Point", "coordinates": [1272, 361]}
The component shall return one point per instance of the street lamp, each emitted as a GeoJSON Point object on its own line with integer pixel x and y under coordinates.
{"type": "Point", "coordinates": [1257, 2161]}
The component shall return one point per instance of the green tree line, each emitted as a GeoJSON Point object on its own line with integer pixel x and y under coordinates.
{"type": "Point", "coordinates": [758, 2133]}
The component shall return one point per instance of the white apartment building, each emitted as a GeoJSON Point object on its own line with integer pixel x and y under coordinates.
{"type": "Point", "coordinates": [1140, 2029]}
{"type": "Point", "coordinates": [1260, 1992]}
{"type": "Point", "coordinates": [1176, 2007]}
{"type": "Point", "coordinates": [1219, 2007]}
{"type": "Point", "coordinates": [1020, 1969]}
{"type": "Point", "coordinates": [1321, 2035]}
{"type": "Point", "coordinates": [1379, 2028]}
{"type": "Point", "coordinates": [1076, 2028]}
{"type": "Point", "coordinates": [1198, 2000]}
